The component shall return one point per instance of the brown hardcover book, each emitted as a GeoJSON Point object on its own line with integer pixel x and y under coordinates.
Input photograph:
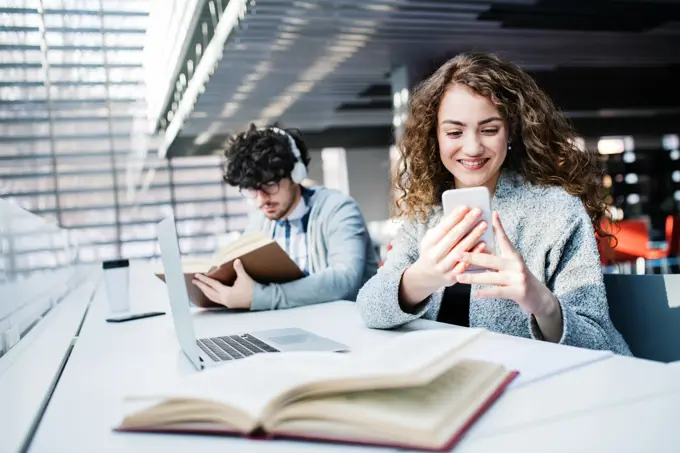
{"type": "Point", "coordinates": [262, 257]}
{"type": "Point", "coordinates": [417, 391]}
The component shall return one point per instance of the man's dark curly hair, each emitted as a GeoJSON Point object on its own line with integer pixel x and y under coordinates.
{"type": "Point", "coordinates": [258, 156]}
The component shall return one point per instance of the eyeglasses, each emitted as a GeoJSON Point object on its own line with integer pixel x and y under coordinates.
{"type": "Point", "coordinates": [268, 188]}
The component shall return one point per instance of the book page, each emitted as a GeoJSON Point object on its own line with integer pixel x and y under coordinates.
{"type": "Point", "coordinates": [190, 265]}
{"type": "Point", "coordinates": [195, 265]}
{"type": "Point", "coordinates": [420, 407]}
{"type": "Point", "coordinates": [410, 359]}
{"type": "Point", "coordinates": [253, 384]}
{"type": "Point", "coordinates": [420, 412]}
{"type": "Point", "coordinates": [415, 351]}
{"type": "Point", "coordinates": [242, 245]}
{"type": "Point", "coordinates": [247, 384]}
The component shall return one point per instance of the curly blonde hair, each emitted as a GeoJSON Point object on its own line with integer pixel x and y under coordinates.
{"type": "Point", "coordinates": [544, 147]}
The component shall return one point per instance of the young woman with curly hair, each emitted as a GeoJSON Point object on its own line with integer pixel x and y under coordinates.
{"type": "Point", "coordinates": [482, 121]}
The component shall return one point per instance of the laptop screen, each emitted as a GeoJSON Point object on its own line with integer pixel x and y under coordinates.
{"type": "Point", "coordinates": [177, 291]}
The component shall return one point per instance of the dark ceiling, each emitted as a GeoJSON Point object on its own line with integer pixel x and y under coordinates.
{"type": "Point", "coordinates": [323, 67]}
{"type": "Point", "coordinates": [584, 15]}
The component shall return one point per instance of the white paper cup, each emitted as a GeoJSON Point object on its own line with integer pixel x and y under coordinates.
{"type": "Point", "coordinates": [117, 280]}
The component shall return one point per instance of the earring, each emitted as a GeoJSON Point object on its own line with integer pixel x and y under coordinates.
{"type": "Point", "coordinates": [509, 146]}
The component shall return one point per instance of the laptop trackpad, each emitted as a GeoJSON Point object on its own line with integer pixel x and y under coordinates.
{"type": "Point", "coordinates": [288, 339]}
{"type": "Point", "coordinates": [294, 339]}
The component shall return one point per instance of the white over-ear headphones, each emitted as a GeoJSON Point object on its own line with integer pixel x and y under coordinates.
{"type": "Point", "coordinates": [299, 172]}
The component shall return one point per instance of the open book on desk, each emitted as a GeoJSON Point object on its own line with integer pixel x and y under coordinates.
{"type": "Point", "coordinates": [262, 257]}
{"type": "Point", "coordinates": [415, 391]}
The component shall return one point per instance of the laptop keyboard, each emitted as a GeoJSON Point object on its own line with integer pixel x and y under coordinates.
{"type": "Point", "coordinates": [233, 347]}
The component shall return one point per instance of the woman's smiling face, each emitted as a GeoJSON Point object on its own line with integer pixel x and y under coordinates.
{"type": "Point", "coordinates": [472, 138]}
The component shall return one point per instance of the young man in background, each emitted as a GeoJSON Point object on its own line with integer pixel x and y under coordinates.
{"type": "Point", "coordinates": [321, 229]}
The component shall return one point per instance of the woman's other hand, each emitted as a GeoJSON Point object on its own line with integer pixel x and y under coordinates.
{"type": "Point", "coordinates": [510, 278]}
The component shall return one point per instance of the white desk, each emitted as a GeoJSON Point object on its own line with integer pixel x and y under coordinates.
{"type": "Point", "coordinates": [30, 369]}
{"type": "Point", "coordinates": [597, 405]}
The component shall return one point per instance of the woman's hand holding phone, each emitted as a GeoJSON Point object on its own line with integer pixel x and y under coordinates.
{"type": "Point", "coordinates": [438, 263]}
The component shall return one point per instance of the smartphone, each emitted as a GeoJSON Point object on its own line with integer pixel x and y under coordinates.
{"type": "Point", "coordinates": [472, 197]}
{"type": "Point", "coordinates": [133, 316]}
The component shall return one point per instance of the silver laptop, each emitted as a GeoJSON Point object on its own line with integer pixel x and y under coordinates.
{"type": "Point", "coordinates": [205, 352]}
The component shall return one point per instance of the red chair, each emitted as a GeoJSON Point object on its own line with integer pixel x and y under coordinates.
{"type": "Point", "coordinates": [633, 238]}
{"type": "Point", "coordinates": [389, 247]}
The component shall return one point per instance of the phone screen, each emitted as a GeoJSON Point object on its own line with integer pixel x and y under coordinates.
{"type": "Point", "coordinates": [472, 197]}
